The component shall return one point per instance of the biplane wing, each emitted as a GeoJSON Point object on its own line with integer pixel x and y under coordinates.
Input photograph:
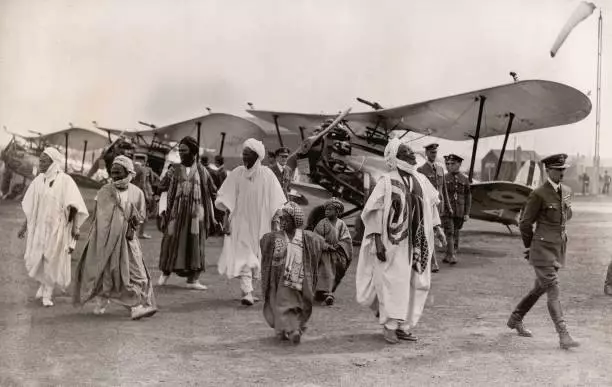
{"type": "Point", "coordinates": [536, 104]}
{"type": "Point", "coordinates": [76, 138]}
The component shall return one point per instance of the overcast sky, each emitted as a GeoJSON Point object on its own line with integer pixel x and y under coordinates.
{"type": "Point", "coordinates": [120, 61]}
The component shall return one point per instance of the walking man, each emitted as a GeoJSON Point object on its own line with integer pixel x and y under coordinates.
{"type": "Point", "coordinates": [549, 207]}
{"type": "Point", "coordinates": [435, 174]}
{"type": "Point", "coordinates": [460, 199]}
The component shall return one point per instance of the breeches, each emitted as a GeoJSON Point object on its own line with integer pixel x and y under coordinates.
{"type": "Point", "coordinates": [451, 229]}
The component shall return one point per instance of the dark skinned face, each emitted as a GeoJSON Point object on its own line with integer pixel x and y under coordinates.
{"type": "Point", "coordinates": [44, 162]}
{"type": "Point", "coordinates": [406, 154]}
{"type": "Point", "coordinates": [187, 158]}
{"type": "Point", "coordinates": [118, 172]}
{"type": "Point", "coordinates": [330, 213]}
{"type": "Point", "coordinates": [286, 222]}
{"type": "Point", "coordinates": [249, 157]}
{"type": "Point", "coordinates": [129, 153]}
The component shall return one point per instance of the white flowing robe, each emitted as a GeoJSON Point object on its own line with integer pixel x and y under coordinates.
{"type": "Point", "coordinates": [49, 232]}
{"type": "Point", "coordinates": [252, 197]}
{"type": "Point", "coordinates": [393, 287]}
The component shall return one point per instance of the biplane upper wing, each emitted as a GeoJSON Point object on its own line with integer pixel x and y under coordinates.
{"type": "Point", "coordinates": [536, 104]}
{"type": "Point", "coordinates": [76, 138]}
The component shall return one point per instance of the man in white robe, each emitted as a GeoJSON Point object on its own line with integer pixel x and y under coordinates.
{"type": "Point", "coordinates": [55, 211]}
{"type": "Point", "coordinates": [394, 268]}
{"type": "Point", "coordinates": [250, 197]}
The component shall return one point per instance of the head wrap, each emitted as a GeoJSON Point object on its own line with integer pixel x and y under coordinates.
{"type": "Point", "coordinates": [296, 213]}
{"type": "Point", "coordinates": [126, 163]}
{"type": "Point", "coordinates": [336, 204]}
{"type": "Point", "coordinates": [391, 156]}
{"type": "Point", "coordinates": [192, 144]}
{"type": "Point", "coordinates": [57, 159]}
{"type": "Point", "coordinates": [256, 146]}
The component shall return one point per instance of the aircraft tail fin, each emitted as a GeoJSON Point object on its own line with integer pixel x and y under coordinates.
{"type": "Point", "coordinates": [529, 174]}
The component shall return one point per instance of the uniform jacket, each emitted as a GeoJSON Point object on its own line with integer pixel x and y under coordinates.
{"type": "Point", "coordinates": [284, 177]}
{"type": "Point", "coordinates": [550, 212]}
{"type": "Point", "coordinates": [459, 194]}
{"type": "Point", "coordinates": [436, 178]}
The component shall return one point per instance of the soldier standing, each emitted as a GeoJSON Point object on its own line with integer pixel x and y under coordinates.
{"type": "Point", "coordinates": [549, 207]}
{"type": "Point", "coordinates": [435, 174]}
{"type": "Point", "coordinates": [460, 200]}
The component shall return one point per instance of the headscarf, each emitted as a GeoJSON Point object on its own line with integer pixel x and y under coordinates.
{"type": "Point", "coordinates": [391, 157]}
{"type": "Point", "coordinates": [257, 147]}
{"type": "Point", "coordinates": [336, 204]}
{"type": "Point", "coordinates": [192, 144]}
{"type": "Point", "coordinates": [126, 163]}
{"type": "Point", "coordinates": [56, 166]}
{"type": "Point", "coordinates": [295, 211]}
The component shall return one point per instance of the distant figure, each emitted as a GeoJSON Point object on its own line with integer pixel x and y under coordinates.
{"type": "Point", "coordinates": [55, 211]}
{"type": "Point", "coordinates": [549, 207]}
{"type": "Point", "coordinates": [460, 196]}
{"type": "Point", "coordinates": [290, 258]}
{"type": "Point", "coordinates": [394, 268]}
{"type": "Point", "coordinates": [435, 174]}
{"type": "Point", "coordinates": [282, 171]}
{"type": "Point", "coordinates": [250, 196]}
{"type": "Point", "coordinates": [112, 266]}
{"type": "Point", "coordinates": [122, 147]}
{"type": "Point", "coordinates": [146, 180]}
{"type": "Point", "coordinates": [607, 179]}
{"type": "Point", "coordinates": [585, 183]}
{"type": "Point", "coordinates": [220, 166]}
{"type": "Point", "coordinates": [337, 251]}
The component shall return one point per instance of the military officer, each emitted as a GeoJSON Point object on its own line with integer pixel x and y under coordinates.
{"type": "Point", "coordinates": [435, 173]}
{"type": "Point", "coordinates": [460, 203]}
{"type": "Point", "coordinates": [549, 207]}
{"type": "Point", "coordinates": [283, 172]}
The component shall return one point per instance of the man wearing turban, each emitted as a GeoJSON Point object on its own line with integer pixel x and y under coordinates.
{"type": "Point", "coordinates": [189, 216]}
{"type": "Point", "coordinates": [112, 266]}
{"type": "Point", "coordinates": [55, 211]}
{"type": "Point", "coordinates": [394, 268]}
{"type": "Point", "coordinates": [290, 259]}
{"type": "Point", "coordinates": [250, 197]}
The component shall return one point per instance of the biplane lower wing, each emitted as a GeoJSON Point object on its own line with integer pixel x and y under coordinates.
{"type": "Point", "coordinates": [498, 201]}
{"type": "Point", "coordinates": [536, 104]}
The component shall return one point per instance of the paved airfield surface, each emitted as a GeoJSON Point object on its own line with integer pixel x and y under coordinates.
{"type": "Point", "coordinates": [208, 338]}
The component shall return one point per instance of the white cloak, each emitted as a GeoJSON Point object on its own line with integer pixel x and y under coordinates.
{"type": "Point", "coordinates": [252, 197]}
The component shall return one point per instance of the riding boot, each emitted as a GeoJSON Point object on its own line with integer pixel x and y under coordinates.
{"type": "Point", "coordinates": [556, 314]}
{"type": "Point", "coordinates": [524, 306]}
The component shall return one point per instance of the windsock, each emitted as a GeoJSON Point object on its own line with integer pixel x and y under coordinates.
{"type": "Point", "coordinates": [583, 11]}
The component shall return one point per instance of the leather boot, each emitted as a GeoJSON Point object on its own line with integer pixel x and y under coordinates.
{"type": "Point", "coordinates": [556, 314]}
{"type": "Point", "coordinates": [522, 308]}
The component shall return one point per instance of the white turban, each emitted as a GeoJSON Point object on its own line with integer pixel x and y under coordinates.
{"type": "Point", "coordinates": [57, 159]}
{"type": "Point", "coordinates": [391, 156]}
{"type": "Point", "coordinates": [55, 155]}
{"type": "Point", "coordinates": [126, 163]}
{"type": "Point", "coordinates": [256, 146]}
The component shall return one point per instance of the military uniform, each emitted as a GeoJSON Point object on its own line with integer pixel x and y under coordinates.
{"type": "Point", "coordinates": [284, 175]}
{"type": "Point", "coordinates": [549, 207]}
{"type": "Point", "coordinates": [435, 175]}
{"type": "Point", "coordinates": [460, 203]}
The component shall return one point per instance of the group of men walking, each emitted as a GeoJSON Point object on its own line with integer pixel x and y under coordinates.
{"type": "Point", "coordinates": [409, 211]}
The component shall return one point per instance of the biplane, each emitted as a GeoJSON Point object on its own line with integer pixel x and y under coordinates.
{"type": "Point", "coordinates": [348, 160]}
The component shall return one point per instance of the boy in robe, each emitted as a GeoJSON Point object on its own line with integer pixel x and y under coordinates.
{"type": "Point", "coordinates": [290, 259]}
{"type": "Point", "coordinates": [337, 252]}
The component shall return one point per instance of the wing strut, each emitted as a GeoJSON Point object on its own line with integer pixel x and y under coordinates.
{"type": "Point", "coordinates": [84, 151]}
{"type": "Point", "coordinates": [222, 143]}
{"type": "Point", "coordinates": [66, 154]}
{"type": "Point", "coordinates": [476, 136]}
{"type": "Point", "coordinates": [199, 125]}
{"type": "Point", "coordinates": [503, 150]}
{"type": "Point", "coordinates": [280, 138]}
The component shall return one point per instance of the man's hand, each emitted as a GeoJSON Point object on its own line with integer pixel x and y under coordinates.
{"type": "Point", "coordinates": [526, 254]}
{"type": "Point", "coordinates": [227, 229]}
{"type": "Point", "coordinates": [22, 233]}
{"type": "Point", "coordinates": [466, 218]}
{"type": "Point", "coordinates": [557, 266]}
{"type": "Point", "coordinates": [440, 236]}
{"type": "Point", "coordinates": [381, 251]}
{"type": "Point", "coordinates": [75, 232]}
